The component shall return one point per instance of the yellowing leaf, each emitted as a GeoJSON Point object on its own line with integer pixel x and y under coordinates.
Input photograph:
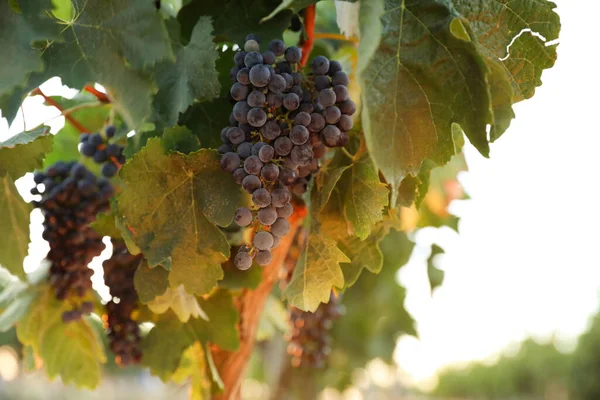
{"type": "Point", "coordinates": [183, 304]}
{"type": "Point", "coordinates": [14, 226]}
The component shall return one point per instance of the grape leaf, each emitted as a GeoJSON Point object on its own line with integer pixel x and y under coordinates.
{"type": "Point", "coordinates": [25, 137]}
{"type": "Point", "coordinates": [169, 338]}
{"type": "Point", "coordinates": [193, 366]}
{"type": "Point", "coordinates": [206, 119]}
{"type": "Point", "coordinates": [193, 76]}
{"type": "Point", "coordinates": [409, 109]}
{"type": "Point", "coordinates": [72, 351]}
{"type": "Point", "coordinates": [294, 5]}
{"type": "Point", "coordinates": [183, 304]}
{"type": "Point", "coordinates": [363, 254]}
{"type": "Point", "coordinates": [317, 271]}
{"type": "Point", "coordinates": [105, 42]}
{"type": "Point", "coordinates": [274, 319]}
{"type": "Point", "coordinates": [180, 139]}
{"type": "Point", "coordinates": [150, 282]}
{"type": "Point", "coordinates": [14, 224]}
{"type": "Point", "coordinates": [230, 15]}
{"type": "Point", "coordinates": [16, 309]}
{"type": "Point", "coordinates": [236, 279]}
{"type": "Point", "coordinates": [435, 275]}
{"type": "Point", "coordinates": [171, 205]}
{"type": "Point", "coordinates": [105, 225]}
{"type": "Point", "coordinates": [22, 158]}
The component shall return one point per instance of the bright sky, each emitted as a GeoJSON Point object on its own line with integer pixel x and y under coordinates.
{"type": "Point", "coordinates": [525, 260]}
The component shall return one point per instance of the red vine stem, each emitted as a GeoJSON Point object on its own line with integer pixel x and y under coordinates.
{"type": "Point", "coordinates": [53, 103]}
{"type": "Point", "coordinates": [102, 97]}
{"type": "Point", "coordinates": [309, 25]}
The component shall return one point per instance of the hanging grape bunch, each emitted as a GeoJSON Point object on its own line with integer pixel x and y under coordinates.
{"type": "Point", "coordinates": [71, 198]}
{"type": "Point", "coordinates": [309, 342]}
{"type": "Point", "coordinates": [281, 124]}
{"type": "Point", "coordinates": [123, 331]}
{"type": "Point", "coordinates": [98, 146]}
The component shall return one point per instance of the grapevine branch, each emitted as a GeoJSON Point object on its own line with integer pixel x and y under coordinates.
{"type": "Point", "coordinates": [232, 365]}
{"type": "Point", "coordinates": [102, 97]}
{"type": "Point", "coordinates": [309, 25]}
{"type": "Point", "coordinates": [67, 115]}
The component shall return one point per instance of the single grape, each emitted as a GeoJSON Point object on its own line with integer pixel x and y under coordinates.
{"type": "Point", "coordinates": [317, 122]}
{"type": "Point", "coordinates": [341, 93]}
{"type": "Point", "coordinates": [275, 242]}
{"type": "Point", "coordinates": [340, 78]}
{"type": "Point", "coordinates": [299, 134]}
{"type": "Point", "coordinates": [302, 118]}
{"type": "Point", "coordinates": [270, 172]}
{"type": "Point", "coordinates": [277, 84]}
{"type": "Point", "coordinates": [300, 186]}
{"type": "Point", "coordinates": [243, 76]}
{"type": "Point", "coordinates": [268, 57]}
{"type": "Point", "coordinates": [332, 115]}
{"type": "Point", "coordinates": [289, 79]}
{"type": "Point", "coordinates": [280, 197]}
{"type": "Point", "coordinates": [327, 97]}
{"type": "Point", "coordinates": [251, 183]}
{"type": "Point", "coordinates": [239, 175]}
{"type": "Point", "coordinates": [96, 139]}
{"type": "Point", "coordinates": [297, 78]}
{"type": "Point", "coordinates": [266, 153]}
{"type": "Point", "coordinates": [298, 91]}
{"type": "Point", "coordinates": [318, 107]}
{"type": "Point", "coordinates": [257, 117]}
{"type": "Point", "coordinates": [287, 176]}
{"type": "Point", "coordinates": [243, 216]}
{"type": "Point", "coordinates": [238, 58]}
{"type": "Point", "coordinates": [331, 135]}
{"type": "Point", "coordinates": [307, 107]}
{"type": "Point", "coordinates": [289, 163]}
{"type": "Point", "coordinates": [233, 73]}
{"type": "Point", "coordinates": [261, 197]}
{"type": "Point", "coordinates": [263, 258]}
{"type": "Point", "coordinates": [285, 211]}
{"type": "Point", "coordinates": [109, 169]}
{"type": "Point", "coordinates": [347, 107]}
{"type": "Point", "coordinates": [304, 171]}
{"type": "Point", "coordinates": [257, 146]}
{"type": "Point", "coordinates": [322, 82]}
{"type": "Point", "coordinates": [345, 123]}
{"type": "Point", "coordinates": [280, 227]}
{"type": "Point", "coordinates": [260, 75]}
{"type": "Point", "coordinates": [236, 135]}
{"type": "Point", "coordinates": [270, 130]}
{"type": "Point", "coordinates": [267, 215]}
{"type": "Point", "coordinates": [252, 59]}
{"type": "Point", "coordinates": [252, 36]}
{"type": "Point", "coordinates": [100, 156]}
{"type": "Point", "coordinates": [88, 149]}
{"type": "Point", "coordinates": [263, 240]}
{"type": "Point", "coordinates": [277, 47]}
{"type": "Point", "coordinates": [113, 150]}
{"type": "Point", "coordinates": [291, 101]}
{"type": "Point", "coordinates": [110, 131]}
{"type": "Point", "coordinates": [283, 145]}
{"type": "Point", "coordinates": [256, 98]}
{"type": "Point", "coordinates": [240, 111]}
{"type": "Point", "coordinates": [293, 54]}
{"type": "Point", "coordinates": [252, 165]}
{"type": "Point", "coordinates": [275, 99]}
{"type": "Point", "coordinates": [84, 137]}
{"type": "Point", "coordinates": [229, 162]}
{"type": "Point", "coordinates": [251, 45]}
{"type": "Point", "coordinates": [239, 91]}
{"type": "Point", "coordinates": [301, 155]}
{"type": "Point", "coordinates": [320, 65]}
{"type": "Point", "coordinates": [242, 261]}
{"type": "Point", "coordinates": [232, 120]}
{"type": "Point", "coordinates": [224, 148]}
{"type": "Point", "coordinates": [334, 66]}
{"type": "Point", "coordinates": [247, 128]}
{"type": "Point", "coordinates": [244, 150]}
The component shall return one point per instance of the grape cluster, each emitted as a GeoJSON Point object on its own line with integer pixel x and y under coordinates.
{"type": "Point", "coordinates": [98, 146]}
{"type": "Point", "coordinates": [309, 342]}
{"type": "Point", "coordinates": [281, 124]}
{"type": "Point", "coordinates": [71, 196]}
{"type": "Point", "coordinates": [123, 331]}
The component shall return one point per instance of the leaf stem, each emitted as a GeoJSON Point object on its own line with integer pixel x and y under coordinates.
{"type": "Point", "coordinates": [335, 36]}
{"type": "Point", "coordinates": [102, 97]}
{"type": "Point", "coordinates": [50, 101]}
{"type": "Point", "coordinates": [81, 106]}
{"type": "Point", "coordinates": [347, 153]}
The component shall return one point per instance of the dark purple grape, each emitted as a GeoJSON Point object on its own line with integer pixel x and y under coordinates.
{"type": "Point", "coordinates": [224, 148]}
{"type": "Point", "coordinates": [280, 197]}
{"type": "Point", "coordinates": [277, 84]}
{"type": "Point", "coordinates": [289, 79]}
{"type": "Point", "coordinates": [239, 91]}
{"type": "Point", "coordinates": [340, 78]}
{"type": "Point", "coordinates": [283, 145]}
{"type": "Point", "coordinates": [263, 240]}
{"type": "Point", "coordinates": [287, 176]}
{"type": "Point", "coordinates": [243, 76]}
{"type": "Point", "coordinates": [252, 36]}
{"type": "Point", "coordinates": [247, 129]}
{"type": "Point", "coordinates": [283, 67]}
{"type": "Point", "coordinates": [304, 171]}
{"type": "Point", "coordinates": [239, 175]}
{"type": "Point", "coordinates": [244, 150]}
{"type": "Point", "coordinates": [96, 139]}
{"type": "Point", "coordinates": [270, 130]}
{"type": "Point", "coordinates": [242, 261]}
{"type": "Point", "coordinates": [260, 75]}
{"type": "Point", "coordinates": [113, 150]}
{"type": "Point", "coordinates": [327, 97]}
{"type": "Point", "coordinates": [251, 182]}
{"type": "Point", "coordinates": [291, 101]}
{"type": "Point", "coordinates": [268, 57]}
{"type": "Point", "coordinates": [334, 66]}
{"type": "Point", "coordinates": [88, 149]}
{"type": "Point", "coordinates": [263, 257]}
{"type": "Point", "coordinates": [300, 186]}
{"type": "Point", "coordinates": [230, 162]}
{"type": "Point", "coordinates": [319, 150]}
{"type": "Point", "coordinates": [301, 155]}
{"type": "Point", "coordinates": [344, 139]}
{"type": "Point", "coordinates": [252, 59]}
{"type": "Point", "coordinates": [297, 78]}
{"type": "Point", "coordinates": [270, 172]}
{"type": "Point", "coordinates": [233, 73]}
{"type": "Point", "coordinates": [293, 54]}
{"type": "Point", "coordinates": [267, 215]}
{"type": "Point", "coordinates": [275, 99]}
{"type": "Point", "coordinates": [252, 165]}
{"type": "Point", "coordinates": [341, 93]}
{"type": "Point", "coordinates": [109, 170]}
{"type": "Point", "coordinates": [332, 115]}
{"type": "Point", "coordinates": [100, 156]}
{"type": "Point", "coordinates": [298, 91]}
{"type": "Point", "coordinates": [256, 98]}
{"type": "Point", "coordinates": [236, 135]}
{"type": "Point", "coordinates": [266, 153]}
{"type": "Point", "coordinates": [257, 146]}
{"type": "Point", "coordinates": [320, 65]}
{"type": "Point", "coordinates": [280, 227]}
{"type": "Point", "coordinates": [251, 45]}
{"type": "Point", "coordinates": [345, 123]}
{"type": "Point", "coordinates": [347, 107]}
{"type": "Point", "coordinates": [285, 211]}
{"type": "Point", "coordinates": [299, 134]}
{"type": "Point", "coordinates": [277, 47]}
{"type": "Point", "coordinates": [261, 197]}
{"type": "Point", "coordinates": [257, 117]}
{"type": "Point", "coordinates": [322, 82]}
{"type": "Point", "coordinates": [307, 108]}
{"type": "Point", "coordinates": [240, 111]}
{"type": "Point", "coordinates": [331, 135]}
{"type": "Point", "coordinates": [317, 122]}
{"type": "Point", "coordinates": [238, 58]}
{"type": "Point", "coordinates": [302, 118]}
{"type": "Point", "coordinates": [242, 216]}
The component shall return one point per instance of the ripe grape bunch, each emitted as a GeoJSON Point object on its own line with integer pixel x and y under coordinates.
{"type": "Point", "coordinates": [309, 342]}
{"type": "Point", "coordinates": [98, 146]}
{"type": "Point", "coordinates": [282, 122]}
{"type": "Point", "coordinates": [123, 331]}
{"type": "Point", "coordinates": [71, 196]}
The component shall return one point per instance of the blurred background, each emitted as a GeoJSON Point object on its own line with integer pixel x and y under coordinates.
{"type": "Point", "coordinates": [516, 315]}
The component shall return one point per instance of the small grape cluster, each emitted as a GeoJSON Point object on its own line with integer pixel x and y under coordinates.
{"type": "Point", "coordinates": [98, 146]}
{"type": "Point", "coordinates": [281, 124]}
{"type": "Point", "coordinates": [309, 342]}
{"type": "Point", "coordinates": [71, 196]}
{"type": "Point", "coordinates": [123, 331]}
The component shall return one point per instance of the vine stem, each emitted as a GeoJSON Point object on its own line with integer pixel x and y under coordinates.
{"type": "Point", "coordinates": [309, 25]}
{"type": "Point", "coordinates": [335, 36]}
{"type": "Point", "coordinates": [102, 97]}
{"type": "Point", "coordinates": [232, 365]}
{"type": "Point", "coordinates": [70, 118]}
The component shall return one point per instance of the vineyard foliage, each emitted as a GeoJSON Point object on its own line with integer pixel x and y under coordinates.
{"type": "Point", "coordinates": [424, 74]}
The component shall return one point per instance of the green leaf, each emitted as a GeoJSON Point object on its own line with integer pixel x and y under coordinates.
{"type": "Point", "coordinates": [183, 304]}
{"type": "Point", "coordinates": [169, 338]}
{"type": "Point", "coordinates": [180, 139]}
{"type": "Point", "coordinates": [105, 225]}
{"type": "Point", "coordinates": [274, 320]}
{"type": "Point", "coordinates": [317, 271]}
{"type": "Point", "coordinates": [150, 282]}
{"type": "Point", "coordinates": [363, 254]}
{"type": "Point", "coordinates": [235, 279]}
{"type": "Point", "coordinates": [17, 308]}
{"type": "Point", "coordinates": [22, 158]}
{"type": "Point", "coordinates": [193, 76]}
{"type": "Point", "coordinates": [419, 81]}
{"type": "Point", "coordinates": [207, 119]}
{"type": "Point", "coordinates": [171, 205]}
{"type": "Point", "coordinates": [193, 367]}
{"type": "Point", "coordinates": [230, 15]}
{"type": "Point", "coordinates": [105, 43]}
{"type": "Point", "coordinates": [294, 5]}
{"type": "Point", "coordinates": [14, 226]}
{"type": "Point", "coordinates": [72, 351]}
{"type": "Point", "coordinates": [25, 137]}
{"type": "Point", "coordinates": [435, 275]}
